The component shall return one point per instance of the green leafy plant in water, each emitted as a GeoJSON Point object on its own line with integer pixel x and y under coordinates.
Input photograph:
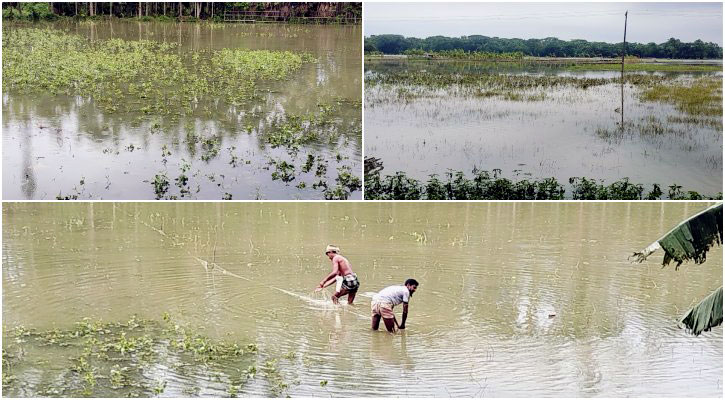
{"type": "Point", "coordinates": [130, 345]}
{"type": "Point", "coordinates": [309, 163]}
{"type": "Point", "coordinates": [147, 76]}
{"type": "Point", "coordinates": [485, 185]}
{"type": "Point", "coordinates": [211, 147]}
{"type": "Point", "coordinates": [159, 387]}
{"type": "Point", "coordinates": [161, 185]}
{"type": "Point", "coordinates": [283, 171]}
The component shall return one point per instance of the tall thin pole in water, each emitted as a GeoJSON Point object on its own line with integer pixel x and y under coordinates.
{"type": "Point", "coordinates": [624, 51]}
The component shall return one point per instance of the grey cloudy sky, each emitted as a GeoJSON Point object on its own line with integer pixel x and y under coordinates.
{"type": "Point", "coordinates": [648, 22]}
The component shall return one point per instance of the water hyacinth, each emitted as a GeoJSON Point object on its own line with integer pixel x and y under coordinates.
{"type": "Point", "coordinates": [144, 75]}
{"type": "Point", "coordinates": [112, 359]}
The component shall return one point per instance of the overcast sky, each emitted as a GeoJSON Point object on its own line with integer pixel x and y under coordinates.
{"type": "Point", "coordinates": [648, 22]}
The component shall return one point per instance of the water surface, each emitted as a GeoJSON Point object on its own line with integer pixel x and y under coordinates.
{"type": "Point", "coordinates": [560, 131]}
{"type": "Point", "coordinates": [516, 299]}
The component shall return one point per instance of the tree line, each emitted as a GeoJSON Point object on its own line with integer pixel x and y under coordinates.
{"type": "Point", "coordinates": [548, 47]}
{"type": "Point", "coordinates": [174, 10]}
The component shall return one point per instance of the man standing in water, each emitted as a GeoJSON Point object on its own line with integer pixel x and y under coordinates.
{"type": "Point", "coordinates": [342, 272]}
{"type": "Point", "coordinates": [383, 303]}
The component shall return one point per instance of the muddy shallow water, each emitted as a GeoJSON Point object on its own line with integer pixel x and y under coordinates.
{"type": "Point", "coordinates": [516, 299]}
{"type": "Point", "coordinates": [558, 132]}
{"type": "Point", "coordinates": [50, 141]}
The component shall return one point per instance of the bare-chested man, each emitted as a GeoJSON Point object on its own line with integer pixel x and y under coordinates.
{"type": "Point", "coordinates": [341, 271]}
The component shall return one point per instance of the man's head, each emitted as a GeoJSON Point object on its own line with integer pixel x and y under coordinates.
{"type": "Point", "coordinates": [412, 285]}
{"type": "Point", "coordinates": [332, 250]}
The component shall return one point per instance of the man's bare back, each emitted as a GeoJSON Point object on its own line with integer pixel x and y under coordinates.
{"type": "Point", "coordinates": [341, 264]}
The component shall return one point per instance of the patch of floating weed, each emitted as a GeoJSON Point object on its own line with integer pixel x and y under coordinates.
{"type": "Point", "coordinates": [111, 359]}
{"type": "Point", "coordinates": [147, 76]}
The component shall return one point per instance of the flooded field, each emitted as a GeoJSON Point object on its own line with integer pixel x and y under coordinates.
{"type": "Point", "coordinates": [533, 121]}
{"type": "Point", "coordinates": [181, 110]}
{"type": "Point", "coordinates": [188, 299]}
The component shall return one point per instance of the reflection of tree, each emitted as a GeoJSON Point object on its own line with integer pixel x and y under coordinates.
{"type": "Point", "coordinates": [691, 240]}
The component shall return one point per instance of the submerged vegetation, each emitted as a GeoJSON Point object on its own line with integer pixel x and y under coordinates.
{"type": "Point", "coordinates": [702, 97]}
{"type": "Point", "coordinates": [485, 185]}
{"type": "Point", "coordinates": [645, 67]}
{"type": "Point", "coordinates": [119, 358]}
{"type": "Point", "coordinates": [173, 92]}
{"type": "Point", "coordinates": [409, 85]}
{"type": "Point", "coordinates": [139, 75]}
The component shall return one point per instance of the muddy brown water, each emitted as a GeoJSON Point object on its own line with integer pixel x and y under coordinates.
{"type": "Point", "coordinates": [516, 299]}
{"type": "Point", "coordinates": [49, 141]}
{"type": "Point", "coordinates": [554, 137]}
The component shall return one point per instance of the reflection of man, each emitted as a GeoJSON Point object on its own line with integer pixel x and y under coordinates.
{"type": "Point", "coordinates": [383, 303]}
{"type": "Point", "coordinates": [341, 271]}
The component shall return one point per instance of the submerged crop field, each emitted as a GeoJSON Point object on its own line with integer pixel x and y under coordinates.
{"type": "Point", "coordinates": [557, 126]}
{"type": "Point", "coordinates": [181, 111]}
{"type": "Point", "coordinates": [192, 299]}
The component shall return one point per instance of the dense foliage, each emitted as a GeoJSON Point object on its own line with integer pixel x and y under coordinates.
{"type": "Point", "coordinates": [673, 48]}
{"type": "Point", "coordinates": [485, 185]}
{"type": "Point", "coordinates": [297, 12]}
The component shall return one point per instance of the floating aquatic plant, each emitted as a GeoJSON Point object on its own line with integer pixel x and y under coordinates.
{"type": "Point", "coordinates": [111, 357]}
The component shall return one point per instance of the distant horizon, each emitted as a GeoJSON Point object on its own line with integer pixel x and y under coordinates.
{"type": "Point", "coordinates": [593, 22]}
{"type": "Point", "coordinates": [534, 38]}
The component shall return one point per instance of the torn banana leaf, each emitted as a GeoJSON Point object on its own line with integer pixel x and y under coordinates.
{"type": "Point", "coordinates": [705, 315]}
{"type": "Point", "coordinates": [690, 240]}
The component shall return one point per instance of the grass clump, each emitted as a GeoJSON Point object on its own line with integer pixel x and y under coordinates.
{"type": "Point", "coordinates": [703, 97]}
{"type": "Point", "coordinates": [645, 67]}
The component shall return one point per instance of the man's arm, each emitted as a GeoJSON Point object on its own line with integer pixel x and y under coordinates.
{"type": "Point", "coordinates": [331, 275]}
{"type": "Point", "coordinates": [329, 282]}
{"type": "Point", "coordinates": [405, 316]}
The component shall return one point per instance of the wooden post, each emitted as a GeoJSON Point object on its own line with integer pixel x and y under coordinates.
{"type": "Point", "coordinates": [624, 51]}
{"type": "Point", "coordinates": [624, 42]}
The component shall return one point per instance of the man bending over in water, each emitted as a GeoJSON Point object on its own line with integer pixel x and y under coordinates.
{"type": "Point", "coordinates": [383, 303]}
{"type": "Point", "coordinates": [341, 270]}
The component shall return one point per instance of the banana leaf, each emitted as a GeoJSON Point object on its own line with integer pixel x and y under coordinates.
{"type": "Point", "coordinates": [690, 240]}
{"type": "Point", "coordinates": [705, 315]}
